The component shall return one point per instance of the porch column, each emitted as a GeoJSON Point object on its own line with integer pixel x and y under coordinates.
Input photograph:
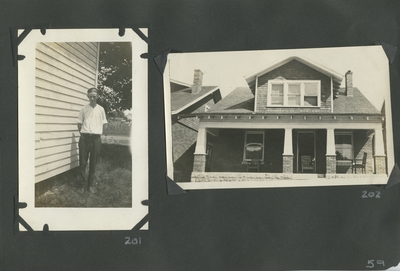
{"type": "Point", "coordinates": [288, 152]}
{"type": "Point", "coordinates": [330, 151]}
{"type": "Point", "coordinates": [379, 156]}
{"type": "Point", "coordinates": [199, 164]}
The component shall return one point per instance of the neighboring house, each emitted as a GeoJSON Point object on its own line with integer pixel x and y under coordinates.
{"type": "Point", "coordinates": [293, 118]}
{"type": "Point", "coordinates": [188, 99]}
{"type": "Point", "coordinates": [64, 73]}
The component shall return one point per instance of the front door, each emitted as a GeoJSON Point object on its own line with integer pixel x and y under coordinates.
{"type": "Point", "coordinates": [306, 156]}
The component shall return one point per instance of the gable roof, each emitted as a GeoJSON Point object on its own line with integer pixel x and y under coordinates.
{"type": "Point", "coordinates": [184, 98]}
{"type": "Point", "coordinates": [331, 73]}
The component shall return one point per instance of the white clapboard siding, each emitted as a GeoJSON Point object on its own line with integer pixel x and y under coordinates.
{"type": "Point", "coordinates": [64, 72]}
{"type": "Point", "coordinates": [62, 66]}
{"type": "Point", "coordinates": [56, 164]}
{"type": "Point", "coordinates": [53, 158]}
{"type": "Point", "coordinates": [71, 135]}
{"type": "Point", "coordinates": [53, 50]}
{"type": "Point", "coordinates": [43, 152]}
{"type": "Point", "coordinates": [54, 171]}
{"type": "Point", "coordinates": [57, 96]}
{"type": "Point", "coordinates": [51, 127]}
{"type": "Point", "coordinates": [55, 119]}
{"type": "Point", "coordinates": [46, 69]}
{"type": "Point", "coordinates": [92, 46]}
{"type": "Point", "coordinates": [45, 110]}
{"type": "Point", "coordinates": [82, 56]}
{"type": "Point", "coordinates": [56, 80]}
{"type": "Point", "coordinates": [49, 143]}
{"type": "Point", "coordinates": [44, 84]}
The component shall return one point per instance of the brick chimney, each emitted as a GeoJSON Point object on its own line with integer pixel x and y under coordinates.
{"type": "Point", "coordinates": [349, 83]}
{"type": "Point", "coordinates": [197, 81]}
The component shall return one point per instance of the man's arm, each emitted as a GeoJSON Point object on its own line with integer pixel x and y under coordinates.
{"type": "Point", "coordinates": [79, 127]}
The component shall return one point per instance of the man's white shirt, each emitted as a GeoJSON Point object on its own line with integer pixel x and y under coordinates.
{"type": "Point", "coordinates": [92, 119]}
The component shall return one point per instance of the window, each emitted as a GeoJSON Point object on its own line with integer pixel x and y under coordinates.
{"type": "Point", "coordinates": [254, 146]}
{"type": "Point", "coordinates": [344, 146]}
{"type": "Point", "coordinates": [292, 93]}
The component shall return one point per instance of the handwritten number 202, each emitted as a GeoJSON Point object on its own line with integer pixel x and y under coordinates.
{"type": "Point", "coordinates": [366, 194]}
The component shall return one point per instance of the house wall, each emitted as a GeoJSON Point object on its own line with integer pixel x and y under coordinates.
{"type": "Point", "coordinates": [184, 139]}
{"type": "Point", "coordinates": [362, 143]}
{"type": "Point", "coordinates": [293, 70]}
{"type": "Point", "coordinates": [228, 150]}
{"type": "Point", "coordinates": [64, 73]}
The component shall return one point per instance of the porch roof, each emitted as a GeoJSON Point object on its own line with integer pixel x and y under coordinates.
{"type": "Point", "coordinates": [241, 101]}
{"type": "Point", "coordinates": [183, 98]}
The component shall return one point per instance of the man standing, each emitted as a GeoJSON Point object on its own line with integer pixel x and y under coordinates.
{"type": "Point", "coordinates": [91, 120]}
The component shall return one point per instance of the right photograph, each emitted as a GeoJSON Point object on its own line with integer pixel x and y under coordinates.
{"type": "Point", "coordinates": [279, 118]}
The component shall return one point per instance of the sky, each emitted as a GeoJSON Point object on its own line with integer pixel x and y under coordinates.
{"type": "Point", "coordinates": [228, 70]}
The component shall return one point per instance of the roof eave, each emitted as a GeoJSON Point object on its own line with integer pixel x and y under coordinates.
{"type": "Point", "coordinates": [174, 112]}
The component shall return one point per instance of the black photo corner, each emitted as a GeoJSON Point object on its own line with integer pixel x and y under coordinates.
{"type": "Point", "coordinates": [283, 228]}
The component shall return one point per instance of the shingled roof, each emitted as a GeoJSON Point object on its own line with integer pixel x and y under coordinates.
{"type": "Point", "coordinates": [241, 101]}
{"type": "Point", "coordinates": [358, 104]}
{"type": "Point", "coordinates": [184, 98]}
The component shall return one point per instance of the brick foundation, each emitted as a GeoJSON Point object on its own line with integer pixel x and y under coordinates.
{"type": "Point", "coordinates": [287, 164]}
{"type": "Point", "coordinates": [380, 164]}
{"type": "Point", "coordinates": [330, 164]}
{"type": "Point", "coordinates": [199, 164]}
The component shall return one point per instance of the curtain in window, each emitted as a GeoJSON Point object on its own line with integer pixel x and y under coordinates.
{"type": "Point", "coordinates": [344, 147]}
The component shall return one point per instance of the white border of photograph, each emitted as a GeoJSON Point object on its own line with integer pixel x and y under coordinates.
{"type": "Point", "coordinates": [228, 70]}
{"type": "Point", "coordinates": [71, 219]}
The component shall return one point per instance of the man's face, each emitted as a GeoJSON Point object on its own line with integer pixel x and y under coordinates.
{"type": "Point", "coordinates": [92, 96]}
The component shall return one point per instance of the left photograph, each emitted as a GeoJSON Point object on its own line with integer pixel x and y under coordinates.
{"type": "Point", "coordinates": [82, 99]}
{"type": "Point", "coordinates": [83, 103]}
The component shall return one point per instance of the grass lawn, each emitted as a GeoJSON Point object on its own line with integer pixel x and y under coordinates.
{"type": "Point", "coordinates": [118, 128]}
{"type": "Point", "coordinates": [113, 178]}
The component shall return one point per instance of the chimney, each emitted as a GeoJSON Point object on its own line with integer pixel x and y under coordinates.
{"type": "Point", "coordinates": [197, 81]}
{"type": "Point", "coordinates": [349, 83]}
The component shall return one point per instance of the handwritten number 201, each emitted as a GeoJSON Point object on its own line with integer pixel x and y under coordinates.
{"type": "Point", "coordinates": [366, 194]}
{"type": "Point", "coordinates": [133, 241]}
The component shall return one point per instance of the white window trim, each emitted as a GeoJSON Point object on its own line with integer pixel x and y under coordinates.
{"type": "Point", "coordinates": [352, 141]}
{"type": "Point", "coordinates": [245, 143]}
{"type": "Point", "coordinates": [285, 84]}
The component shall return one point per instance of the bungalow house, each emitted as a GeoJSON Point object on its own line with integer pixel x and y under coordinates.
{"type": "Point", "coordinates": [188, 99]}
{"type": "Point", "coordinates": [64, 71]}
{"type": "Point", "coordinates": [292, 119]}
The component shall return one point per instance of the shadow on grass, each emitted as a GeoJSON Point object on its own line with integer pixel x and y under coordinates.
{"type": "Point", "coordinates": [113, 183]}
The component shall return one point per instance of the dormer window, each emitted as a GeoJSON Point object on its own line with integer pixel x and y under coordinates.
{"type": "Point", "coordinates": [294, 93]}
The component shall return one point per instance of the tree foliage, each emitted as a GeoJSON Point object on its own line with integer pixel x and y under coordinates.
{"type": "Point", "coordinates": [115, 76]}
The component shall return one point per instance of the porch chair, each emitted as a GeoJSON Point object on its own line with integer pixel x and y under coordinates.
{"type": "Point", "coordinates": [306, 163]}
{"type": "Point", "coordinates": [359, 163]}
{"type": "Point", "coordinates": [253, 166]}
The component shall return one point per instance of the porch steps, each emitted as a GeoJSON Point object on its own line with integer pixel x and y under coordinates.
{"type": "Point", "coordinates": [301, 176]}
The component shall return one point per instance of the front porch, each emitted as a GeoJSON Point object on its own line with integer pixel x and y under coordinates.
{"type": "Point", "coordinates": [265, 153]}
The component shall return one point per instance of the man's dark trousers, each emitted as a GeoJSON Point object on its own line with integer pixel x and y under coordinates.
{"type": "Point", "coordinates": [89, 144]}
